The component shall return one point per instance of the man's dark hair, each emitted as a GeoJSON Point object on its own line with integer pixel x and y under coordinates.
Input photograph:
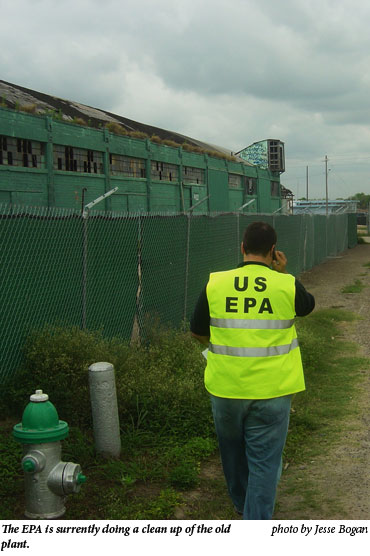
{"type": "Point", "coordinates": [258, 238]}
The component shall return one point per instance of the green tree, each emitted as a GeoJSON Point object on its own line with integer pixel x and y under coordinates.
{"type": "Point", "coordinates": [363, 199]}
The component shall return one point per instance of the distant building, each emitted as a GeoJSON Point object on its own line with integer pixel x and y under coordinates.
{"type": "Point", "coordinates": [319, 206]}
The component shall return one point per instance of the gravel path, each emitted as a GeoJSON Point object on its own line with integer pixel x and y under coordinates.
{"type": "Point", "coordinates": [339, 480]}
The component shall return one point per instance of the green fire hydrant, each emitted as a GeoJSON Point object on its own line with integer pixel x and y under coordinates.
{"type": "Point", "coordinates": [47, 479]}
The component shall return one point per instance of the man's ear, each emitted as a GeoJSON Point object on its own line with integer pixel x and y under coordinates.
{"type": "Point", "coordinates": [242, 249]}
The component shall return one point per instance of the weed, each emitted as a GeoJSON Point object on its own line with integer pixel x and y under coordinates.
{"type": "Point", "coordinates": [155, 139]}
{"type": "Point", "coordinates": [138, 135]}
{"type": "Point", "coordinates": [191, 148]}
{"type": "Point", "coordinates": [165, 416]}
{"type": "Point", "coordinates": [29, 108]}
{"type": "Point", "coordinates": [356, 287]}
{"type": "Point", "coordinates": [113, 127]}
{"type": "Point", "coordinates": [55, 114]}
{"type": "Point", "coordinates": [79, 121]}
{"type": "Point", "coordinates": [184, 476]}
{"type": "Point", "coordinates": [127, 481]}
{"type": "Point", "coordinates": [162, 507]}
{"type": "Point", "coordinates": [79, 445]}
{"type": "Point", "coordinates": [331, 377]}
{"type": "Point", "coordinates": [170, 143]}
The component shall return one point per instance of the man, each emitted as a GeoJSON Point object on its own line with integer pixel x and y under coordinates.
{"type": "Point", "coordinates": [254, 366]}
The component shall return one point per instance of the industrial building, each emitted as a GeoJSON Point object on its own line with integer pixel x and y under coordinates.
{"type": "Point", "coordinates": [60, 153]}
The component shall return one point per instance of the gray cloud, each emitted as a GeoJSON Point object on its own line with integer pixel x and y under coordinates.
{"type": "Point", "coordinates": [226, 71]}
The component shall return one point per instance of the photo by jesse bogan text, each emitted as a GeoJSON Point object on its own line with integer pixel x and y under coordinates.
{"type": "Point", "coordinates": [319, 529]}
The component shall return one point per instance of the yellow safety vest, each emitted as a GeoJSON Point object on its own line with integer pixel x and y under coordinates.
{"type": "Point", "coordinates": [253, 351]}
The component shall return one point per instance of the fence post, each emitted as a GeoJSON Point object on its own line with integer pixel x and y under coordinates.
{"type": "Point", "coordinates": [85, 217]}
{"type": "Point", "coordinates": [238, 236]}
{"type": "Point", "coordinates": [188, 215]}
{"type": "Point", "coordinates": [137, 327]}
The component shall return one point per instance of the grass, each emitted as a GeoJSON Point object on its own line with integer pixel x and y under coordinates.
{"type": "Point", "coordinates": [356, 287]}
{"type": "Point", "coordinates": [333, 373]}
{"type": "Point", "coordinates": [169, 464]}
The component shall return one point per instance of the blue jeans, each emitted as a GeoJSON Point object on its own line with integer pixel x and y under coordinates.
{"type": "Point", "coordinates": [251, 436]}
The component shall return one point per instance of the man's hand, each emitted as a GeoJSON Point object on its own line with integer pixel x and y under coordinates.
{"type": "Point", "coordinates": [202, 339]}
{"type": "Point", "coordinates": [280, 263]}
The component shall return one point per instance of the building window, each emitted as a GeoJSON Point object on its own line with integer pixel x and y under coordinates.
{"type": "Point", "coordinates": [235, 180]}
{"type": "Point", "coordinates": [251, 186]}
{"type": "Point", "coordinates": [192, 175]}
{"type": "Point", "coordinates": [276, 156]}
{"type": "Point", "coordinates": [126, 166]}
{"type": "Point", "coordinates": [274, 189]}
{"type": "Point", "coordinates": [165, 172]}
{"type": "Point", "coordinates": [71, 159]}
{"type": "Point", "coordinates": [21, 152]}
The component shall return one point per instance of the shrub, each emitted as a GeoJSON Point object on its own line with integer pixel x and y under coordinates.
{"type": "Point", "coordinates": [56, 360]}
{"type": "Point", "coordinates": [113, 127]}
{"type": "Point", "coordinates": [29, 108]}
{"type": "Point", "coordinates": [170, 143]}
{"type": "Point", "coordinates": [159, 384]}
{"type": "Point", "coordinates": [138, 135]}
{"type": "Point", "coordinates": [79, 121]}
{"type": "Point", "coordinates": [192, 148]}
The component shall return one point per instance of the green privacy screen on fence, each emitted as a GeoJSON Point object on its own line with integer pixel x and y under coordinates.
{"type": "Point", "coordinates": [116, 272]}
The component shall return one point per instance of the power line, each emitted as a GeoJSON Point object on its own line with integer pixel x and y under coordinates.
{"type": "Point", "coordinates": [357, 160]}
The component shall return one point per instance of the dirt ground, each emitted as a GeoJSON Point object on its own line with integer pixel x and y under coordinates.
{"type": "Point", "coordinates": [339, 480]}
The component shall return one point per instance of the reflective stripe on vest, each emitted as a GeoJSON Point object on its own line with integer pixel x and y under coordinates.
{"type": "Point", "coordinates": [254, 352]}
{"type": "Point", "coordinates": [252, 324]}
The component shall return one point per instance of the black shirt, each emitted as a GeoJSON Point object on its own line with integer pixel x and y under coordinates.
{"type": "Point", "coordinates": [199, 324]}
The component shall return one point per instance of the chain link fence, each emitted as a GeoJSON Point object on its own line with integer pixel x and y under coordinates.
{"type": "Point", "coordinates": [116, 272]}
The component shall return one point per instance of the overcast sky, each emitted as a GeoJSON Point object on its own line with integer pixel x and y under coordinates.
{"type": "Point", "coordinates": [229, 72]}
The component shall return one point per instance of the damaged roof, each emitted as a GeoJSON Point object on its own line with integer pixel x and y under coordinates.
{"type": "Point", "coordinates": [15, 96]}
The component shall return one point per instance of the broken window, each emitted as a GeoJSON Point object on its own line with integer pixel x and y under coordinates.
{"type": "Point", "coordinates": [21, 152]}
{"type": "Point", "coordinates": [274, 189]}
{"type": "Point", "coordinates": [71, 159]}
{"type": "Point", "coordinates": [251, 186]}
{"type": "Point", "coordinates": [192, 175]}
{"type": "Point", "coordinates": [276, 156]}
{"type": "Point", "coordinates": [127, 166]}
{"type": "Point", "coordinates": [235, 180]}
{"type": "Point", "coordinates": [164, 172]}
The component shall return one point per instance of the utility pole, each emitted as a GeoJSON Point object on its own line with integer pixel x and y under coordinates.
{"type": "Point", "coordinates": [326, 184]}
{"type": "Point", "coordinates": [306, 183]}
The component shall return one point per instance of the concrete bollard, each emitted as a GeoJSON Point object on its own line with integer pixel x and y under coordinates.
{"type": "Point", "coordinates": [104, 409]}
